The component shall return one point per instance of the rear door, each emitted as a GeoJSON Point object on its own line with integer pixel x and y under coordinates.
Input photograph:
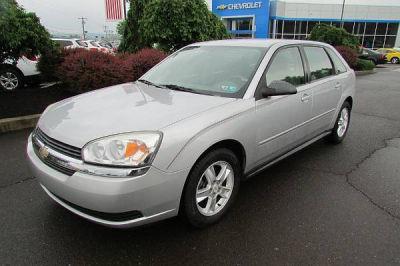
{"type": "Point", "coordinates": [326, 88]}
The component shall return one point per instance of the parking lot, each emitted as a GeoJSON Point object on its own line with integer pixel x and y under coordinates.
{"type": "Point", "coordinates": [324, 205]}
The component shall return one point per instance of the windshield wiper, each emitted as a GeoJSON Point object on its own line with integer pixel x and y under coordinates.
{"type": "Point", "coordinates": [150, 83]}
{"type": "Point", "coordinates": [182, 88]}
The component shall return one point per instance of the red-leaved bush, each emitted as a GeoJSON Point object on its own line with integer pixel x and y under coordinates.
{"type": "Point", "coordinates": [82, 70]}
{"type": "Point", "coordinates": [349, 54]}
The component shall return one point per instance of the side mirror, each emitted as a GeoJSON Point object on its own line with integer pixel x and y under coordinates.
{"type": "Point", "coordinates": [279, 87]}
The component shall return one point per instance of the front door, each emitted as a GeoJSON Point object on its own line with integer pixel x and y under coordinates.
{"type": "Point", "coordinates": [282, 120]}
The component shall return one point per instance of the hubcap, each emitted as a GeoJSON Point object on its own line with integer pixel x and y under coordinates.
{"type": "Point", "coordinates": [214, 188]}
{"type": "Point", "coordinates": [9, 81]}
{"type": "Point", "coordinates": [395, 60]}
{"type": "Point", "coordinates": [343, 122]}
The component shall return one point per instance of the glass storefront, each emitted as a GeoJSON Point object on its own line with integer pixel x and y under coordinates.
{"type": "Point", "coordinates": [371, 34]}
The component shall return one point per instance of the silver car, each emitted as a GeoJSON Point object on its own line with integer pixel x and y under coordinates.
{"type": "Point", "coordinates": [182, 138]}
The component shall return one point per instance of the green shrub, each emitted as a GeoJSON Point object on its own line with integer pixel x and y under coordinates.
{"type": "Point", "coordinates": [333, 35]}
{"type": "Point", "coordinates": [362, 65]}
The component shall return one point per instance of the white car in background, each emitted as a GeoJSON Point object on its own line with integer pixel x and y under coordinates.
{"type": "Point", "coordinates": [70, 43]}
{"type": "Point", "coordinates": [14, 76]}
{"type": "Point", "coordinates": [92, 45]}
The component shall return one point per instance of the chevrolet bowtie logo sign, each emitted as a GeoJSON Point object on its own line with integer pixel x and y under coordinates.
{"type": "Point", "coordinates": [247, 5]}
{"type": "Point", "coordinates": [222, 7]}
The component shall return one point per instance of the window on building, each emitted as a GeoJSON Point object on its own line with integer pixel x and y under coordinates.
{"type": "Point", "coordinates": [311, 25]}
{"type": "Point", "coordinates": [348, 26]}
{"type": "Point", "coordinates": [286, 66]}
{"type": "Point", "coordinates": [381, 29]}
{"type": "Point", "coordinates": [368, 41]}
{"type": "Point", "coordinates": [289, 27]}
{"type": "Point", "coordinates": [392, 28]}
{"type": "Point", "coordinates": [370, 28]}
{"type": "Point", "coordinates": [320, 64]}
{"type": "Point", "coordinates": [390, 41]}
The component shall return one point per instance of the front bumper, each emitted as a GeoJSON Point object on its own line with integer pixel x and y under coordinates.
{"type": "Point", "coordinates": [154, 195]}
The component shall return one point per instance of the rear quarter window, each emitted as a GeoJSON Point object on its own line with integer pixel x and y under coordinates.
{"type": "Point", "coordinates": [339, 66]}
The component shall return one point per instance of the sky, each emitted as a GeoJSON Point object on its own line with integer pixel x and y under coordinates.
{"type": "Point", "coordinates": [62, 15]}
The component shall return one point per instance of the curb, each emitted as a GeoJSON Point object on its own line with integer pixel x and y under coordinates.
{"type": "Point", "coordinates": [365, 72]}
{"type": "Point", "coordinates": [17, 123]}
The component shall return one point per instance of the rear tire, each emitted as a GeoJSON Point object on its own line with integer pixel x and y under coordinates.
{"type": "Point", "coordinates": [342, 124]}
{"type": "Point", "coordinates": [394, 60]}
{"type": "Point", "coordinates": [211, 188]}
{"type": "Point", "coordinates": [10, 79]}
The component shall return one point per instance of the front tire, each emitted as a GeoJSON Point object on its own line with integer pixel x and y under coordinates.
{"type": "Point", "coordinates": [342, 124]}
{"type": "Point", "coordinates": [394, 60]}
{"type": "Point", "coordinates": [211, 188]}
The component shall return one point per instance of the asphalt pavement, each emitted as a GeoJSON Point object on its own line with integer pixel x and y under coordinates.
{"type": "Point", "coordinates": [324, 205]}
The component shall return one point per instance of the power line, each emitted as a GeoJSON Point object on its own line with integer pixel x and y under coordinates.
{"type": "Point", "coordinates": [83, 26]}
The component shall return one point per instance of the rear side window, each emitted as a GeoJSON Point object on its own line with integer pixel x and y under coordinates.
{"type": "Point", "coordinates": [339, 66]}
{"type": "Point", "coordinates": [320, 65]}
{"type": "Point", "coordinates": [286, 66]}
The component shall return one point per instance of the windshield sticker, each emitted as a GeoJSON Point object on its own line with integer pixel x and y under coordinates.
{"type": "Point", "coordinates": [229, 89]}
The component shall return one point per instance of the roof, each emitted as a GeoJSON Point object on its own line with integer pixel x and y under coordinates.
{"type": "Point", "coordinates": [254, 42]}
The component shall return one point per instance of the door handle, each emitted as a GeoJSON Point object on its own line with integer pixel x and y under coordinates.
{"type": "Point", "coordinates": [338, 85]}
{"type": "Point", "coordinates": [305, 97]}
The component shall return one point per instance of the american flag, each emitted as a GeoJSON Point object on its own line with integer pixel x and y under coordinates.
{"type": "Point", "coordinates": [114, 9]}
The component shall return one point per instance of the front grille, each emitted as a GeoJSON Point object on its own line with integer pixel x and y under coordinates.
{"type": "Point", "coordinates": [40, 139]}
{"type": "Point", "coordinates": [113, 217]}
{"type": "Point", "coordinates": [57, 146]}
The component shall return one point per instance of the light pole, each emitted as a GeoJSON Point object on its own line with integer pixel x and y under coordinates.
{"type": "Point", "coordinates": [83, 27]}
{"type": "Point", "coordinates": [341, 16]}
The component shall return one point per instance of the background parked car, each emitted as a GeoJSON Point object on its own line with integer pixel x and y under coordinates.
{"type": "Point", "coordinates": [92, 45]}
{"type": "Point", "coordinates": [14, 76]}
{"type": "Point", "coordinates": [392, 55]}
{"type": "Point", "coordinates": [374, 57]}
{"type": "Point", "coordinates": [70, 43]}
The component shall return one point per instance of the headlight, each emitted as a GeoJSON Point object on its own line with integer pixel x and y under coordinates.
{"type": "Point", "coordinates": [128, 150]}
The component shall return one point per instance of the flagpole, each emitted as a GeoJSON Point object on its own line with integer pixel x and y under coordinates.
{"type": "Point", "coordinates": [124, 5]}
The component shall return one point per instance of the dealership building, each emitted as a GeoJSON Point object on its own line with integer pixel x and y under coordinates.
{"type": "Point", "coordinates": [375, 23]}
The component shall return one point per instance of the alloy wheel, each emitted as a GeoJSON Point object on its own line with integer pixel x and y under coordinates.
{"type": "Point", "coordinates": [214, 188]}
{"type": "Point", "coordinates": [9, 81]}
{"type": "Point", "coordinates": [343, 122]}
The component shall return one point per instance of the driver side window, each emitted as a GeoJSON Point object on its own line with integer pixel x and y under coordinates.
{"type": "Point", "coordinates": [286, 66]}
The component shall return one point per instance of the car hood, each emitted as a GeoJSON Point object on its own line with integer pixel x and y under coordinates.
{"type": "Point", "coordinates": [122, 108]}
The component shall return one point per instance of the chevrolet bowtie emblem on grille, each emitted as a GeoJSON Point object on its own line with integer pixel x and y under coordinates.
{"type": "Point", "coordinates": [43, 152]}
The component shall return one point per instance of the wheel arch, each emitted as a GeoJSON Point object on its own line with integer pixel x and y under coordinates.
{"type": "Point", "coordinates": [9, 66]}
{"type": "Point", "coordinates": [231, 144]}
{"type": "Point", "coordinates": [349, 99]}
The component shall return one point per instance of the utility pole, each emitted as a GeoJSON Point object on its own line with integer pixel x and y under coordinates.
{"type": "Point", "coordinates": [105, 31]}
{"type": "Point", "coordinates": [83, 27]}
{"type": "Point", "coordinates": [341, 16]}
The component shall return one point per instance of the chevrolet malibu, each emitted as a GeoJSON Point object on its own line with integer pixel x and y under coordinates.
{"type": "Point", "coordinates": [182, 138]}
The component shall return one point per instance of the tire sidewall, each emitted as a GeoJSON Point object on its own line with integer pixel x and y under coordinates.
{"type": "Point", "coordinates": [189, 206]}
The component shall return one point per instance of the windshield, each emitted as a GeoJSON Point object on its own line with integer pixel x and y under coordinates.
{"type": "Point", "coordinates": [216, 70]}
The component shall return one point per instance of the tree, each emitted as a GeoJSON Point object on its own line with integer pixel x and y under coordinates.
{"type": "Point", "coordinates": [333, 35]}
{"type": "Point", "coordinates": [131, 38]}
{"type": "Point", "coordinates": [172, 24]}
{"type": "Point", "coordinates": [21, 32]}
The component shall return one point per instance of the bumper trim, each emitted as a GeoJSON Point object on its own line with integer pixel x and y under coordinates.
{"type": "Point", "coordinates": [110, 223]}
